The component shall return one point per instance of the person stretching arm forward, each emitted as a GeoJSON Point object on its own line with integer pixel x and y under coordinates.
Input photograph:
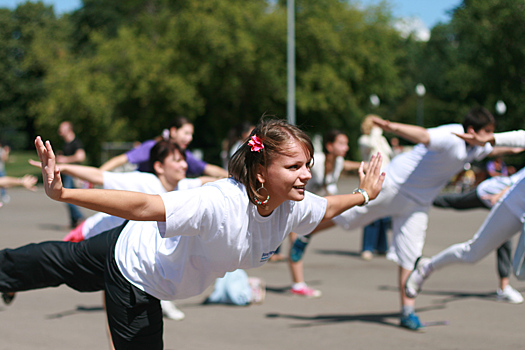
{"type": "Point", "coordinates": [189, 239]}
{"type": "Point", "coordinates": [412, 181]}
{"type": "Point", "coordinates": [504, 221]}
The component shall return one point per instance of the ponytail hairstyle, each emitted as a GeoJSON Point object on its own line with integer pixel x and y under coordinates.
{"type": "Point", "coordinates": [162, 150]}
{"type": "Point", "coordinates": [275, 135]}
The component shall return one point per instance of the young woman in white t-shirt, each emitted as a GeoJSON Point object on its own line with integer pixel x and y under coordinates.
{"type": "Point", "coordinates": [169, 166]}
{"type": "Point", "coordinates": [189, 238]}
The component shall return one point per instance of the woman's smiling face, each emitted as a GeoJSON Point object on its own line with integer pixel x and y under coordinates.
{"type": "Point", "coordinates": [286, 177]}
{"type": "Point", "coordinates": [183, 135]}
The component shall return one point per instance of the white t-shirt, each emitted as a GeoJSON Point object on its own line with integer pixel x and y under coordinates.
{"type": "Point", "coordinates": [421, 173]}
{"type": "Point", "coordinates": [510, 139]}
{"type": "Point", "coordinates": [496, 184]}
{"type": "Point", "coordinates": [208, 231]}
{"type": "Point", "coordinates": [135, 181]}
{"type": "Point", "coordinates": [318, 181]}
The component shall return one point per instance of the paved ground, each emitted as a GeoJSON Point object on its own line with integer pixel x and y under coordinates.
{"type": "Point", "coordinates": [358, 309]}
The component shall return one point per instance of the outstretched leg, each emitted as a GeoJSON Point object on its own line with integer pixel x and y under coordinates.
{"type": "Point", "coordinates": [499, 226]}
{"type": "Point", "coordinates": [50, 264]}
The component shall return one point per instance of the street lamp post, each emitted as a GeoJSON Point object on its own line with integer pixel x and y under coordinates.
{"type": "Point", "coordinates": [420, 91]}
{"type": "Point", "coordinates": [291, 60]}
{"type": "Point", "coordinates": [501, 108]}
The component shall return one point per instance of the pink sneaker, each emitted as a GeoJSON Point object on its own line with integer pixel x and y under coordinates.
{"type": "Point", "coordinates": [75, 235]}
{"type": "Point", "coordinates": [306, 292]}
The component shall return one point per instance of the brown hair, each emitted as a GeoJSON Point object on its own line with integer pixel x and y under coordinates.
{"type": "Point", "coordinates": [162, 150]}
{"type": "Point", "coordinates": [274, 134]}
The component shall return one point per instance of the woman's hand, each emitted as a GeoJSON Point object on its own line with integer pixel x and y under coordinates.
{"type": "Point", "coordinates": [29, 182]}
{"type": "Point", "coordinates": [35, 163]}
{"type": "Point", "coordinates": [383, 124]}
{"type": "Point", "coordinates": [50, 172]}
{"type": "Point", "coordinates": [476, 139]}
{"type": "Point", "coordinates": [372, 180]}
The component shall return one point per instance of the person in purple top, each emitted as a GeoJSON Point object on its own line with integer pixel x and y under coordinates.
{"type": "Point", "coordinates": [181, 132]}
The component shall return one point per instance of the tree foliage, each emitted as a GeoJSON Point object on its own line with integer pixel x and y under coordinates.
{"type": "Point", "coordinates": [121, 70]}
{"type": "Point", "coordinates": [476, 59]}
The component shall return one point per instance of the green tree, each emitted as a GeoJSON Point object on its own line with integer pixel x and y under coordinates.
{"type": "Point", "coordinates": [30, 37]}
{"type": "Point", "coordinates": [344, 55]}
{"type": "Point", "coordinates": [139, 64]}
{"type": "Point", "coordinates": [476, 59]}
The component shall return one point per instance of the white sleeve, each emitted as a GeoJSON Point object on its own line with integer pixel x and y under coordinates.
{"type": "Point", "coordinates": [440, 138]}
{"type": "Point", "coordinates": [310, 211]}
{"type": "Point", "coordinates": [510, 139]}
{"type": "Point", "coordinates": [186, 183]}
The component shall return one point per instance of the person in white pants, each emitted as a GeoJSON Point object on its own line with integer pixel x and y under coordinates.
{"type": "Point", "coordinates": [413, 179]}
{"type": "Point", "coordinates": [504, 220]}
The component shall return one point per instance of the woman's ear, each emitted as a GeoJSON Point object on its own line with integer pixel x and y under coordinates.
{"type": "Point", "coordinates": [261, 174]}
{"type": "Point", "coordinates": [470, 130]}
{"type": "Point", "coordinates": [329, 147]}
{"type": "Point", "coordinates": [158, 167]}
{"type": "Point", "coordinates": [173, 132]}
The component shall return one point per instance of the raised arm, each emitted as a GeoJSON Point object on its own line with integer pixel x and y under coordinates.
{"type": "Point", "coordinates": [114, 162]}
{"type": "Point", "coordinates": [412, 133]}
{"type": "Point", "coordinates": [128, 205]}
{"type": "Point", "coordinates": [27, 181]}
{"type": "Point", "coordinates": [206, 179]}
{"type": "Point", "coordinates": [371, 183]}
{"type": "Point", "coordinates": [509, 139]}
{"type": "Point", "coordinates": [83, 172]}
{"type": "Point", "coordinates": [215, 171]}
{"type": "Point", "coordinates": [350, 165]}
{"type": "Point", "coordinates": [501, 151]}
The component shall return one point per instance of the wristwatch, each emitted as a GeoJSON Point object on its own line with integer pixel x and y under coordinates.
{"type": "Point", "coordinates": [363, 192]}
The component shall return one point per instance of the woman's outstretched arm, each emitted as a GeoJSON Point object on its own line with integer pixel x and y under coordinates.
{"type": "Point", "coordinates": [128, 205]}
{"type": "Point", "coordinates": [83, 172]}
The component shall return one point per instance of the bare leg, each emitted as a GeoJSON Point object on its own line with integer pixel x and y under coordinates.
{"type": "Point", "coordinates": [403, 275]}
{"type": "Point", "coordinates": [299, 286]}
{"type": "Point", "coordinates": [296, 268]}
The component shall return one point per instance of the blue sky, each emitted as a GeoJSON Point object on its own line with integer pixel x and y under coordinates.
{"type": "Point", "coordinates": [429, 11]}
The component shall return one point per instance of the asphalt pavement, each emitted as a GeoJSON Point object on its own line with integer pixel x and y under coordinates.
{"type": "Point", "coordinates": [359, 308]}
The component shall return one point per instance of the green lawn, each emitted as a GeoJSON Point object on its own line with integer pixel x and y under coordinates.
{"type": "Point", "coordinates": [17, 164]}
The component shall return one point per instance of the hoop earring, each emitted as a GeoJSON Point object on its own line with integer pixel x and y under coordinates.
{"type": "Point", "coordinates": [258, 202]}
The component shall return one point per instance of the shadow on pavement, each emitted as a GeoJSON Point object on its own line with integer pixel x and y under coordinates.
{"type": "Point", "coordinates": [79, 309]}
{"type": "Point", "coordinates": [321, 320]}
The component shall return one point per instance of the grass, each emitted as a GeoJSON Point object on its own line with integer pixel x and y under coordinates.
{"type": "Point", "coordinates": [18, 165]}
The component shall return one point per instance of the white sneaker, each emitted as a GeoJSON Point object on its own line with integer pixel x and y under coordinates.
{"type": "Point", "coordinates": [169, 310]}
{"type": "Point", "coordinates": [258, 288]}
{"type": "Point", "coordinates": [417, 277]}
{"type": "Point", "coordinates": [6, 198]}
{"type": "Point", "coordinates": [510, 295]}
